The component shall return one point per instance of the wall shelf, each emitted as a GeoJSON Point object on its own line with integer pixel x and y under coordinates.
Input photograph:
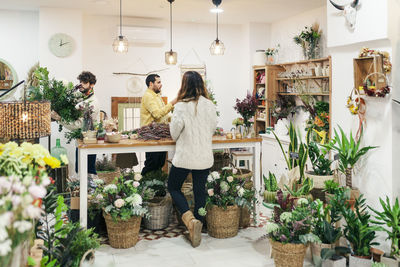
{"type": "Point", "coordinates": [316, 94]}
{"type": "Point", "coordinates": [303, 78]}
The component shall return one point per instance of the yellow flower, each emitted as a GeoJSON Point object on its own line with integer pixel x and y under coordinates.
{"type": "Point", "coordinates": [52, 162]}
{"type": "Point", "coordinates": [321, 134]}
{"type": "Point", "coordinates": [64, 159]}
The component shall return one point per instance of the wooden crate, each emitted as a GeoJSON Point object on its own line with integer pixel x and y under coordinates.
{"type": "Point", "coordinates": [367, 65]}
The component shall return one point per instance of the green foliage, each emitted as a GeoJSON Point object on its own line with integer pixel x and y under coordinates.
{"type": "Point", "coordinates": [325, 216]}
{"type": "Point", "coordinates": [320, 163]}
{"type": "Point", "coordinates": [303, 189]}
{"type": "Point", "coordinates": [105, 165]}
{"type": "Point", "coordinates": [157, 181]}
{"type": "Point", "coordinates": [295, 147]}
{"type": "Point", "coordinates": [270, 183]}
{"type": "Point", "coordinates": [63, 98]}
{"type": "Point", "coordinates": [74, 134]}
{"type": "Point", "coordinates": [331, 187]}
{"type": "Point", "coordinates": [358, 230]}
{"type": "Point", "coordinates": [349, 150]}
{"type": "Point", "coordinates": [211, 94]}
{"type": "Point", "coordinates": [390, 216]}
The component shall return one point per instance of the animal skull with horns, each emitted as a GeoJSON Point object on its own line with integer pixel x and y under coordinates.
{"type": "Point", "coordinates": [349, 12]}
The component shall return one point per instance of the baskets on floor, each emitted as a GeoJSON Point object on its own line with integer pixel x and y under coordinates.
{"type": "Point", "coordinates": [108, 177]}
{"type": "Point", "coordinates": [223, 223]}
{"type": "Point", "coordinates": [159, 214]}
{"type": "Point", "coordinates": [288, 255]}
{"type": "Point", "coordinates": [220, 160]}
{"type": "Point", "coordinates": [122, 234]}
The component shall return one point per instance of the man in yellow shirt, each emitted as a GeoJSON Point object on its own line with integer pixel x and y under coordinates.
{"type": "Point", "coordinates": [153, 109]}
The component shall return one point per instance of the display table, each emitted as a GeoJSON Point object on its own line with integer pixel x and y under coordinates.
{"type": "Point", "coordinates": [130, 146]}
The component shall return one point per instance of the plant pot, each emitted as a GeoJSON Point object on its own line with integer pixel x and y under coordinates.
{"type": "Point", "coordinates": [390, 262]}
{"type": "Point", "coordinates": [319, 179]}
{"type": "Point", "coordinates": [318, 193]}
{"type": "Point", "coordinates": [269, 197]}
{"type": "Point", "coordinates": [337, 263]}
{"type": "Point", "coordinates": [113, 138]}
{"type": "Point", "coordinates": [159, 214]}
{"type": "Point", "coordinates": [244, 220]}
{"type": "Point", "coordinates": [316, 250]}
{"type": "Point", "coordinates": [309, 197]}
{"type": "Point", "coordinates": [223, 223]}
{"type": "Point", "coordinates": [351, 203]}
{"type": "Point", "coordinates": [122, 234]}
{"type": "Point", "coordinates": [90, 137]}
{"type": "Point", "coordinates": [109, 176]}
{"type": "Point", "coordinates": [376, 254]}
{"type": "Point", "coordinates": [360, 261]}
{"type": "Point", "coordinates": [288, 255]}
{"type": "Point", "coordinates": [328, 197]}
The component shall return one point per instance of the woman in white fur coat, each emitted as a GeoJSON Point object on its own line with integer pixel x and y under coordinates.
{"type": "Point", "coordinates": [192, 126]}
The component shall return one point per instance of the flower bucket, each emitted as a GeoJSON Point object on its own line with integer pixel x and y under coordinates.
{"type": "Point", "coordinates": [288, 255]}
{"type": "Point", "coordinates": [360, 261]}
{"type": "Point", "coordinates": [108, 177]}
{"type": "Point", "coordinates": [122, 234]}
{"type": "Point", "coordinates": [159, 214]}
{"type": "Point", "coordinates": [223, 223]}
{"type": "Point", "coordinates": [316, 250]}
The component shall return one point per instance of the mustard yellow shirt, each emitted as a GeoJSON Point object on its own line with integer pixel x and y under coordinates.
{"type": "Point", "coordinates": [153, 108]}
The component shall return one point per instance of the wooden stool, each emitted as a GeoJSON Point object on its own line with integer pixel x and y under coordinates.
{"type": "Point", "coordinates": [246, 156]}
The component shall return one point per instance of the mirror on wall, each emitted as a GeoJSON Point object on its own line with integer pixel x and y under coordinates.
{"type": "Point", "coordinates": [8, 76]}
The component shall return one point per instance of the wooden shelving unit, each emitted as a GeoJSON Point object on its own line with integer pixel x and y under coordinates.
{"type": "Point", "coordinates": [319, 86]}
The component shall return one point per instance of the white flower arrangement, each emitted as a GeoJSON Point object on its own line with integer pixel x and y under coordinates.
{"type": "Point", "coordinates": [229, 179]}
{"type": "Point", "coordinates": [215, 175]}
{"type": "Point", "coordinates": [286, 217]}
{"type": "Point", "coordinates": [271, 227]}
{"type": "Point", "coordinates": [119, 203]}
{"type": "Point", "coordinates": [110, 188]}
{"type": "Point", "coordinates": [210, 179]}
{"type": "Point", "coordinates": [138, 177]}
{"type": "Point", "coordinates": [224, 187]}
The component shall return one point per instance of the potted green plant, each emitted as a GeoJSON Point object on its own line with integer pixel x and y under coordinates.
{"type": "Point", "coordinates": [390, 216]}
{"type": "Point", "coordinates": [270, 188]}
{"type": "Point", "coordinates": [309, 39]}
{"type": "Point", "coordinates": [331, 187]}
{"type": "Point", "coordinates": [321, 165]}
{"type": "Point", "coordinates": [301, 190]}
{"type": "Point", "coordinates": [225, 195]}
{"type": "Point", "coordinates": [289, 231]}
{"type": "Point", "coordinates": [359, 232]}
{"type": "Point", "coordinates": [349, 151]}
{"type": "Point", "coordinates": [324, 219]}
{"type": "Point", "coordinates": [333, 257]}
{"type": "Point", "coordinates": [123, 209]}
{"type": "Point", "coordinates": [106, 170]}
{"type": "Point", "coordinates": [160, 204]}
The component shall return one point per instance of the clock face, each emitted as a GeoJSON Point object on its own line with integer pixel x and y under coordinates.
{"type": "Point", "coordinates": [61, 45]}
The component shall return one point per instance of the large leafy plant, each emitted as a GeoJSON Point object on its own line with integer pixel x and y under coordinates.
{"type": "Point", "coordinates": [331, 187]}
{"type": "Point", "coordinates": [349, 151]}
{"type": "Point", "coordinates": [323, 222]}
{"type": "Point", "coordinates": [270, 183]}
{"type": "Point", "coordinates": [63, 97]}
{"type": "Point", "coordinates": [299, 190]}
{"type": "Point", "coordinates": [297, 153]}
{"type": "Point", "coordinates": [291, 225]}
{"type": "Point", "coordinates": [390, 216]}
{"type": "Point", "coordinates": [358, 229]}
{"type": "Point", "coordinates": [321, 164]}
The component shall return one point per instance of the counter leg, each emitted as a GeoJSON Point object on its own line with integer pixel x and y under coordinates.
{"type": "Point", "coordinates": [257, 175]}
{"type": "Point", "coordinates": [83, 177]}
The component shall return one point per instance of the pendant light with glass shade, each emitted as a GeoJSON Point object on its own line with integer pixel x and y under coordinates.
{"type": "Point", "coordinates": [217, 48]}
{"type": "Point", "coordinates": [171, 57]}
{"type": "Point", "coordinates": [120, 44]}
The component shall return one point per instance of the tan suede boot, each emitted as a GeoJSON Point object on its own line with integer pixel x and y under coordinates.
{"type": "Point", "coordinates": [194, 227]}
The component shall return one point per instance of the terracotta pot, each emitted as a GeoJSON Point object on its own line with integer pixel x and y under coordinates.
{"type": "Point", "coordinates": [376, 254]}
{"type": "Point", "coordinates": [360, 261]}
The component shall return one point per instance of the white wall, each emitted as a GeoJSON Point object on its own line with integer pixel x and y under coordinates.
{"type": "Point", "coordinates": [226, 73]}
{"type": "Point", "coordinates": [371, 23]}
{"type": "Point", "coordinates": [20, 41]}
{"type": "Point", "coordinates": [282, 32]}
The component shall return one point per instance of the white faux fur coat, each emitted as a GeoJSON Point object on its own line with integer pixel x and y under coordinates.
{"type": "Point", "coordinates": [192, 127]}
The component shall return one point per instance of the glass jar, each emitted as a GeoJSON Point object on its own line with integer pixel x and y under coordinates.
{"type": "Point", "coordinates": [58, 150]}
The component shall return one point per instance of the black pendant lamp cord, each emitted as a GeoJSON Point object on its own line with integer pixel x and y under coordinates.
{"type": "Point", "coordinates": [217, 23]}
{"type": "Point", "coordinates": [170, 22]}
{"type": "Point", "coordinates": [120, 17]}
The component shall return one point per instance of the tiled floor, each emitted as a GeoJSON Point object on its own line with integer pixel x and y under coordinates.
{"type": "Point", "coordinates": [248, 249]}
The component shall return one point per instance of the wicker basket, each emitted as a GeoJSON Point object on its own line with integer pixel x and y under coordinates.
{"type": "Point", "coordinates": [244, 220]}
{"type": "Point", "coordinates": [288, 255]}
{"type": "Point", "coordinates": [319, 179]}
{"type": "Point", "coordinates": [244, 174]}
{"type": "Point", "coordinates": [123, 234]}
{"type": "Point", "coordinates": [159, 214]}
{"type": "Point", "coordinates": [108, 177]}
{"type": "Point", "coordinates": [223, 223]}
{"type": "Point", "coordinates": [220, 160]}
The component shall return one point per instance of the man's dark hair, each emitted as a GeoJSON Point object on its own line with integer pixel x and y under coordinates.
{"type": "Point", "coordinates": [87, 77]}
{"type": "Point", "coordinates": [151, 78]}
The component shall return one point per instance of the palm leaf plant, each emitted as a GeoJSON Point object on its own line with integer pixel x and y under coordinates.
{"type": "Point", "coordinates": [349, 151]}
{"type": "Point", "coordinates": [390, 216]}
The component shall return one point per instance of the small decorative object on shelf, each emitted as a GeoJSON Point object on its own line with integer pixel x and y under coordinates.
{"type": "Point", "coordinates": [219, 131]}
{"type": "Point", "coordinates": [272, 54]}
{"type": "Point", "coordinates": [247, 109]}
{"type": "Point", "coordinates": [387, 65]}
{"type": "Point", "coordinates": [259, 58]}
{"type": "Point", "coordinates": [309, 39]}
{"type": "Point", "coordinates": [371, 90]}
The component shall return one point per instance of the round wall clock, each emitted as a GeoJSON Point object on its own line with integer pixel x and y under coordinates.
{"type": "Point", "coordinates": [61, 45]}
